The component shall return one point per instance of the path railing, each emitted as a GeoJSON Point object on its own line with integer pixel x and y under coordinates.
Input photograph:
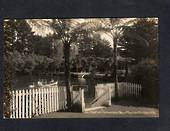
{"type": "Point", "coordinates": [28, 103]}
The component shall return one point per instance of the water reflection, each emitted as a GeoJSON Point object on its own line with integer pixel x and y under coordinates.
{"type": "Point", "coordinates": [25, 81]}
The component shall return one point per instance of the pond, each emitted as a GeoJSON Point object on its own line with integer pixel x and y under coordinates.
{"type": "Point", "coordinates": [24, 81]}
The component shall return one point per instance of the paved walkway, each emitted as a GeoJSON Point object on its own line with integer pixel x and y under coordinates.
{"type": "Point", "coordinates": [115, 111]}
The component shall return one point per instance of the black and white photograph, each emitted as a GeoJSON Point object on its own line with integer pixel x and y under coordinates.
{"type": "Point", "coordinates": [81, 68]}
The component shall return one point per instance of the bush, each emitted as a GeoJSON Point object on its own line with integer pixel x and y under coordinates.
{"type": "Point", "coordinates": [7, 80]}
{"type": "Point", "coordinates": [146, 73]}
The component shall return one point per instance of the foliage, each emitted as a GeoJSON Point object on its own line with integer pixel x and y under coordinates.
{"type": "Point", "coordinates": [17, 35]}
{"type": "Point", "coordinates": [23, 37]}
{"type": "Point", "coordinates": [7, 87]}
{"type": "Point", "coordinates": [29, 63]}
{"type": "Point", "coordinates": [102, 49]}
{"type": "Point", "coordinates": [42, 45]}
{"type": "Point", "coordinates": [23, 63]}
{"type": "Point", "coordinates": [8, 41]}
{"type": "Point", "coordinates": [94, 46]}
{"type": "Point", "coordinates": [18, 61]}
{"type": "Point", "coordinates": [141, 40]}
{"type": "Point", "coordinates": [146, 73]}
{"type": "Point", "coordinates": [9, 36]}
{"type": "Point", "coordinates": [148, 29]}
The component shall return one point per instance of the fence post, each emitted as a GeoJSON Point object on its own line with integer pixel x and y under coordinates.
{"type": "Point", "coordinates": [42, 96]}
{"type": "Point", "coordinates": [127, 89]}
{"type": "Point", "coordinates": [52, 99]}
{"type": "Point", "coordinates": [57, 100]}
{"type": "Point", "coordinates": [138, 90]}
{"type": "Point", "coordinates": [13, 104]}
{"type": "Point", "coordinates": [47, 104]}
{"type": "Point", "coordinates": [30, 103]}
{"type": "Point", "coordinates": [49, 98]}
{"type": "Point", "coordinates": [33, 101]}
{"type": "Point", "coordinates": [124, 87]}
{"type": "Point", "coordinates": [26, 103]}
{"type": "Point", "coordinates": [36, 101]}
{"type": "Point", "coordinates": [121, 88]}
{"type": "Point", "coordinates": [65, 97]}
{"type": "Point", "coordinates": [82, 103]}
{"type": "Point", "coordinates": [134, 89]}
{"type": "Point", "coordinates": [39, 99]}
{"type": "Point", "coordinates": [119, 91]}
{"type": "Point", "coordinates": [23, 103]}
{"type": "Point", "coordinates": [109, 96]}
{"type": "Point", "coordinates": [133, 92]}
{"type": "Point", "coordinates": [131, 87]}
{"type": "Point", "coordinates": [16, 105]}
{"type": "Point", "coordinates": [45, 93]}
{"type": "Point", "coordinates": [19, 104]}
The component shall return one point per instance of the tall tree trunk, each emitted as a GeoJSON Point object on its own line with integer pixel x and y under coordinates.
{"type": "Point", "coordinates": [67, 74]}
{"type": "Point", "coordinates": [115, 68]}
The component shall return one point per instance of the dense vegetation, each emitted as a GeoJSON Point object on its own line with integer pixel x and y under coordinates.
{"type": "Point", "coordinates": [145, 68]}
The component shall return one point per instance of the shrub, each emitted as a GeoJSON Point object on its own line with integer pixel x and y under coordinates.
{"type": "Point", "coordinates": [146, 73]}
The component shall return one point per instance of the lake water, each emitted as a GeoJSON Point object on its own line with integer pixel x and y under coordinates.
{"type": "Point", "coordinates": [24, 81]}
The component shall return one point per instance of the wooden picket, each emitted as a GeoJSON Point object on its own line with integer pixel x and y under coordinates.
{"type": "Point", "coordinates": [30, 102]}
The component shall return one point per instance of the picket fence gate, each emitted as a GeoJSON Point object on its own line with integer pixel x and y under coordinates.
{"type": "Point", "coordinates": [28, 103]}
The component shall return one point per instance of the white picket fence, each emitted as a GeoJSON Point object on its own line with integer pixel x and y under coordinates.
{"type": "Point", "coordinates": [129, 89]}
{"type": "Point", "coordinates": [28, 103]}
{"type": "Point", "coordinates": [124, 89]}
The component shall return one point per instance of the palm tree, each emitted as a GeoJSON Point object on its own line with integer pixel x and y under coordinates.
{"type": "Point", "coordinates": [109, 26]}
{"type": "Point", "coordinates": [68, 31]}
{"type": "Point", "coordinates": [114, 28]}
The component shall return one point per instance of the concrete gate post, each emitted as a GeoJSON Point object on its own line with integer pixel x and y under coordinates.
{"type": "Point", "coordinates": [81, 90]}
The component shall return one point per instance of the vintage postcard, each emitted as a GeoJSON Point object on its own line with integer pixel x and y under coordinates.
{"type": "Point", "coordinates": [81, 68]}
